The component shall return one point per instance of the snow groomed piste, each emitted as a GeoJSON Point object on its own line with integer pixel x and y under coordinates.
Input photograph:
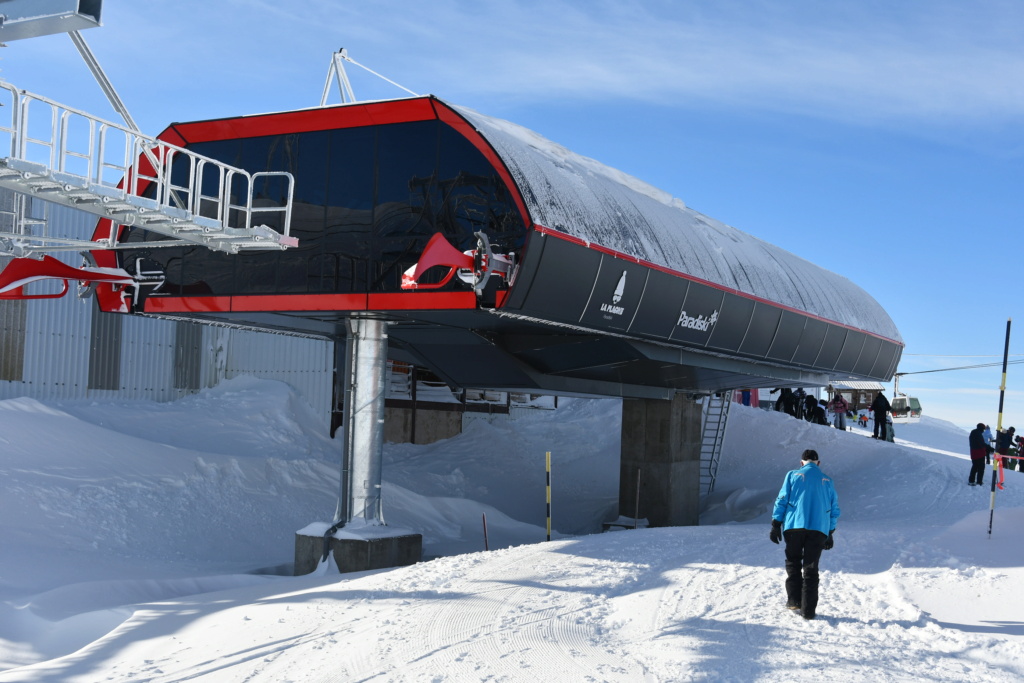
{"type": "Point", "coordinates": [552, 272]}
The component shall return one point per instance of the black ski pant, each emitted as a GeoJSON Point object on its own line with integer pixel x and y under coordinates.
{"type": "Point", "coordinates": [803, 550]}
{"type": "Point", "coordinates": [977, 474]}
{"type": "Point", "coordinates": [880, 425]}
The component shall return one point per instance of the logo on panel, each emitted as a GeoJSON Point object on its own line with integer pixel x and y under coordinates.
{"type": "Point", "coordinates": [698, 314]}
{"type": "Point", "coordinates": [613, 308]}
{"type": "Point", "coordinates": [615, 296]}
{"type": "Point", "coordinates": [697, 323]}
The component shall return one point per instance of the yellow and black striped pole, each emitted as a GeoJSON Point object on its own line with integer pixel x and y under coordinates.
{"type": "Point", "coordinates": [548, 470]}
{"type": "Point", "coordinates": [997, 461]}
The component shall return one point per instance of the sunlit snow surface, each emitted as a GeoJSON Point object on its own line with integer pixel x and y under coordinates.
{"type": "Point", "coordinates": [590, 201]}
{"type": "Point", "coordinates": [140, 542]}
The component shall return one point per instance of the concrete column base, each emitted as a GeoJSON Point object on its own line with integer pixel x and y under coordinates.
{"type": "Point", "coordinates": [661, 442]}
{"type": "Point", "coordinates": [358, 554]}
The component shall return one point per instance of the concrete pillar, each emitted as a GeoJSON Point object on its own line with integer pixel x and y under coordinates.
{"type": "Point", "coordinates": [661, 444]}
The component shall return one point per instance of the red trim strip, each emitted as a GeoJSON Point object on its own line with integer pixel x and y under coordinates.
{"type": "Point", "coordinates": [299, 302]}
{"type": "Point", "coordinates": [397, 301]}
{"type": "Point", "coordinates": [188, 304]}
{"type": "Point", "coordinates": [302, 121]}
{"type": "Point", "coordinates": [654, 266]}
{"type": "Point", "coordinates": [422, 301]}
{"type": "Point", "coordinates": [346, 116]}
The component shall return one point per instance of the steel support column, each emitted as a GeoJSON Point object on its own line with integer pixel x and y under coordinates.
{"type": "Point", "coordinates": [366, 353]}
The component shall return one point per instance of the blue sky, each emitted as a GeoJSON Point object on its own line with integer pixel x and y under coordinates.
{"type": "Point", "coordinates": [880, 140]}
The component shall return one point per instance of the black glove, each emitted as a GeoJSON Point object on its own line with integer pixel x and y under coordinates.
{"type": "Point", "coordinates": [775, 535]}
{"type": "Point", "coordinates": [829, 542]}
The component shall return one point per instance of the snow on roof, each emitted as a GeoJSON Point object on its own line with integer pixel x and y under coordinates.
{"type": "Point", "coordinates": [857, 386]}
{"type": "Point", "coordinates": [584, 198]}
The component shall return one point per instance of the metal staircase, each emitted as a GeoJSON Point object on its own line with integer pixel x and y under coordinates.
{"type": "Point", "coordinates": [65, 156]}
{"type": "Point", "coordinates": [716, 415]}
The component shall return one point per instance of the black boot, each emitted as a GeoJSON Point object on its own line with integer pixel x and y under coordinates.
{"type": "Point", "coordinates": [809, 602]}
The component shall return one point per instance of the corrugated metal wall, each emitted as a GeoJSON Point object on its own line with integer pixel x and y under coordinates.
{"type": "Point", "coordinates": [65, 348]}
{"type": "Point", "coordinates": [306, 364]}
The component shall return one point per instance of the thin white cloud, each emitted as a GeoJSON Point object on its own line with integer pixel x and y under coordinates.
{"type": "Point", "coordinates": [909, 63]}
{"type": "Point", "coordinates": [932, 61]}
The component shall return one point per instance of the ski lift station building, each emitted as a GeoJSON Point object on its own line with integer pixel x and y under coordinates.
{"type": "Point", "coordinates": [492, 257]}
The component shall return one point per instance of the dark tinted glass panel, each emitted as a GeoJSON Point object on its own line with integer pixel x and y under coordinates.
{"type": "Point", "coordinates": [344, 263]}
{"type": "Point", "coordinates": [472, 197]}
{"type": "Point", "coordinates": [366, 200]}
{"type": "Point", "coordinates": [406, 197]}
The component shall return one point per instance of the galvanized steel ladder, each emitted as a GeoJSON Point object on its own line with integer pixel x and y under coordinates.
{"type": "Point", "coordinates": [715, 416]}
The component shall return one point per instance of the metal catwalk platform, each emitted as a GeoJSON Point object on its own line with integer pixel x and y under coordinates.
{"type": "Point", "coordinates": [61, 155]}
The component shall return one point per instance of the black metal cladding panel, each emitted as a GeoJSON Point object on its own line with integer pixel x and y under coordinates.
{"type": "Point", "coordinates": [810, 342]}
{"type": "Point", "coordinates": [733, 322]}
{"type": "Point", "coordinates": [532, 253]}
{"type": "Point", "coordinates": [763, 324]}
{"type": "Point", "coordinates": [851, 349]}
{"type": "Point", "coordinates": [616, 294]}
{"type": "Point", "coordinates": [869, 352]}
{"type": "Point", "coordinates": [658, 311]}
{"type": "Point", "coordinates": [599, 205]}
{"type": "Point", "coordinates": [787, 338]}
{"type": "Point", "coordinates": [832, 347]}
{"type": "Point", "coordinates": [885, 363]}
{"type": "Point", "coordinates": [563, 283]}
{"type": "Point", "coordinates": [699, 314]}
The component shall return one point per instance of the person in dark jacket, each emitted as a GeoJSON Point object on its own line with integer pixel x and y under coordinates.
{"type": "Point", "coordinates": [786, 402]}
{"type": "Point", "coordinates": [810, 403]}
{"type": "Point", "coordinates": [880, 407]}
{"type": "Point", "coordinates": [1003, 442]}
{"type": "Point", "coordinates": [805, 514]}
{"type": "Point", "coordinates": [818, 414]}
{"type": "Point", "coordinates": [798, 403]}
{"type": "Point", "coordinates": [976, 442]}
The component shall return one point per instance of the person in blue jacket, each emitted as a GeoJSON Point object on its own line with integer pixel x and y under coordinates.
{"type": "Point", "coordinates": [805, 514]}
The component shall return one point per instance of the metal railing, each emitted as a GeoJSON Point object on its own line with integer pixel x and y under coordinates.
{"type": "Point", "coordinates": [63, 155]}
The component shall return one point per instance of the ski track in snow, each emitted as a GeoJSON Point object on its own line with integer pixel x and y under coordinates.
{"type": "Point", "coordinates": [905, 596]}
{"type": "Point", "coordinates": [568, 610]}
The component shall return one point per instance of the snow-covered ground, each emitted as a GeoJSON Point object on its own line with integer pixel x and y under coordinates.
{"type": "Point", "coordinates": [152, 542]}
